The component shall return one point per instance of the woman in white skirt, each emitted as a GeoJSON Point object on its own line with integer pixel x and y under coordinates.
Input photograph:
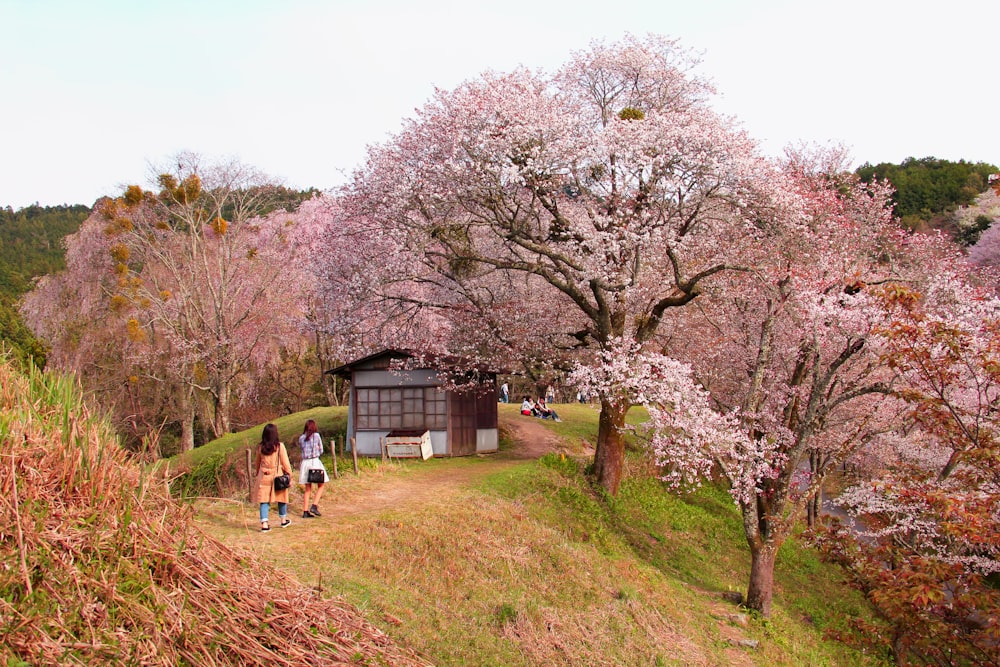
{"type": "Point", "coordinates": [311, 447]}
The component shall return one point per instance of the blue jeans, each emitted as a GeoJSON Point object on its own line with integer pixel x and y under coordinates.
{"type": "Point", "coordinates": [265, 508]}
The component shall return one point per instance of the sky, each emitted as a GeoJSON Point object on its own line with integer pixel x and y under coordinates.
{"type": "Point", "coordinates": [94, 95]}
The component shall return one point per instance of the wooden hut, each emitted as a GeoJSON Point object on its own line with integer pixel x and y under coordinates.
{"type": "Point", "coordinates": [395, 401]}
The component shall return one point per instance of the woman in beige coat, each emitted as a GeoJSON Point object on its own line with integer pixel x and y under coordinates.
{"type": "Point", "coordinates": [271, 456]}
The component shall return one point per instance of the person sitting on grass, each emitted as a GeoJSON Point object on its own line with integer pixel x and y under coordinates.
{"type": "Point", "coordinates": [545, 412]}
{"type": "Point", "coordinates": [527, 407]}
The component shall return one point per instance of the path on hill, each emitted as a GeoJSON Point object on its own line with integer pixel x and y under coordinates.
{"type": "Point", "coordinates": [352, 500]}
{"type": "Point", "coordinates": [356, 496]}
{"type": "Point", "coordinates": [439, 485]}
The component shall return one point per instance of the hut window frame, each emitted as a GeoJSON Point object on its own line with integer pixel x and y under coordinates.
{"type": "Point", "coordinates": [387, 408]}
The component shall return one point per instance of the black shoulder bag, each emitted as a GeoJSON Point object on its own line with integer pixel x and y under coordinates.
{"type": "Point", "coordinates": [283, 481]}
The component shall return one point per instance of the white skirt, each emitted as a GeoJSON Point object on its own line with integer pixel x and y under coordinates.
{"type": "Point", "coordinates": [311, 464]}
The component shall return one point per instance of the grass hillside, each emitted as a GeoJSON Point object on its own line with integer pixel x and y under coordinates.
{"type": "Point", "coordinates": [219, 467]}
{"type": "Point", "coordinates": [99, 565]}
{"type": "Point", "coordinates": [498, 560]}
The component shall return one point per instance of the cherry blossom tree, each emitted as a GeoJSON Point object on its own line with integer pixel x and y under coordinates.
{"type": "Point", "coordinates": [199, 283]}
{"type": "Point", "coordinates": [70, 311]}
{"type": "Point", "coordinates": [784, 349]}
{"type": "Point", "coordinates": [209, 270]}
{"type": "Point", "coordinates": [364, 299]}
{"type": "Point", "coordinates": [928, 502]}
{"type": "Point", "coordinates": [611, 183]}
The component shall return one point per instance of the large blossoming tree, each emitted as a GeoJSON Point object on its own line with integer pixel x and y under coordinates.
{"type": "Point", "coordinates": [786, 351]}
{"type": "Point", "coordinates": [611, 186]}
{"type": "Point", "coordinates": [187, 290]}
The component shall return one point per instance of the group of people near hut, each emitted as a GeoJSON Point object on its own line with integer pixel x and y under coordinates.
{"type": "Point", "coordinates": [272, 461]}
{"type": "Point", "coordinates": [538, 408]}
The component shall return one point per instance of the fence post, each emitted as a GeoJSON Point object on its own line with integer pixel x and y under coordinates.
{"type": "Point", "coordinates": [250, 479]}
{"type": "Point", "coordinates": [354, 452]}
{"type": "Point", "coordinates": [335, 474]}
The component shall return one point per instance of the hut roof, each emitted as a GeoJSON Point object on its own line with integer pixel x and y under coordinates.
{"type": "Point", "coordinates": [384, 358]}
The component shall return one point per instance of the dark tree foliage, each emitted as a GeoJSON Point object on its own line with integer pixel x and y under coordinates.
{"type": "Point", "coordinates": [969, 235]}
{"type": "Point", "coordinates": [30, 246]}
{"type": "Point", "coordinates": [31, 238]}
{"type": "Point", "coordinates": [928, 187]}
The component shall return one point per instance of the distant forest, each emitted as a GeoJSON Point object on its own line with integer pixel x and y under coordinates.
{"type": "Point", "coordinates": [30, 246]}
{"type": "Point", "coordinates": [929, 190]}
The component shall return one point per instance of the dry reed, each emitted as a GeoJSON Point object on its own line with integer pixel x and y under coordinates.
{"type": "Point", "coordinates": [99, 565]}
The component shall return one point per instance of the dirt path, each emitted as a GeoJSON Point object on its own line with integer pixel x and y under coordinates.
{"type": "Point", "coordinates": [439, 484]}
{"type": "Point", "coordinates": [532, 439]}
{"type": "Point", "coordinates": [412, 484]}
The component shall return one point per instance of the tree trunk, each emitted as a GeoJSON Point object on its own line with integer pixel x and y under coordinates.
{"type": "Point", "coordinates": [812, 509]}
{"type": "Point", "coordinates": [609, 458]}
{"type": "Point", "coordinates": [329, 382]}
{"type": "Point", "coordinates": [815, 501]}
{"type": "Point", "coordinates": [330, 388]}
{"type": "Point", "coordinates": [187, 421]}
{"type": "Point", "coordinates": [761, 588]}
{"type": "Point", "coordinates": [220, 421]}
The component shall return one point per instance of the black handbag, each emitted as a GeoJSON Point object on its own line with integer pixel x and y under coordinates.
{"type": "Point", "coordinates": [282, 481]}
{"type": "Point", "coordinates": [316, 476]}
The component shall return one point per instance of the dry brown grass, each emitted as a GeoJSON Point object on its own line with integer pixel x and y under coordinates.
{"type": "Point", "coordinates": [99, 565]}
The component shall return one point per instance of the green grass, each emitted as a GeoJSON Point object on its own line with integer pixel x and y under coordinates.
{"type": "Point", "coordinates": [213, 468]}
{"type": "Point", "coordinates": [530, 564]}
{"type": "Point", "coordinates": [331, 423]}
{"type": "Point", "coordinates": [579, 420]}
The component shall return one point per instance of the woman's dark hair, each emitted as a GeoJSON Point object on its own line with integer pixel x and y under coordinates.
{"type": "Point", "coordinates": [310, 428]}
{"type": "Point", "coordinates": [269, 440]}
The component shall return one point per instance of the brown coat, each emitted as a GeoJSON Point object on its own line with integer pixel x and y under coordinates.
{"type": "Point", "coordinates": [265, 470]}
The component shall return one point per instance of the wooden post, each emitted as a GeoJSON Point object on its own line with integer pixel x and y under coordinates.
{"type": "Point", "coordinates": [250, 479]}
{"type": "Point", "coordinates": [381, 446]}
{"type": "Point", "coordinates": [335, 474]}
{"type": "Point", "coordinates": [354, 452]}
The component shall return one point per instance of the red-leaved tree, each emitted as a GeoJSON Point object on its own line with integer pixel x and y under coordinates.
{"type": "Point", "coordinates": [926, 534]}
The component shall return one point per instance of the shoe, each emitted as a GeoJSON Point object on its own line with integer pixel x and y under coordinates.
{"type": "Point", "coordinates": [264, 527]}
{"type": "Point", "coordinates": [286, 523]}
{"type": "Point", "coordinates": [314, 511]}
{"type": "Point", "coordinates": [307, 515]}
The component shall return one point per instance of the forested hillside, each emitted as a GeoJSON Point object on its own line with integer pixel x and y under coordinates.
{"type": "Point", "coordinates": [30, 246]}
{"type": "Point", "coordinates": [929, 191]}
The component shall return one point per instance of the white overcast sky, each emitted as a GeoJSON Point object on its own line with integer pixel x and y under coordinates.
{"type": "Point", "coordinates": [92, 92]}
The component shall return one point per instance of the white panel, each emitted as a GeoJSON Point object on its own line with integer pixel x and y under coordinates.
{"type": "Point", "coordinates": [409, 446]}
{"type": "Point", "coordinates": [368, 442]}
{"type": "Point", "coordinates": [439, 443]}
{"type": "Point", "coordinates": [487, 440]}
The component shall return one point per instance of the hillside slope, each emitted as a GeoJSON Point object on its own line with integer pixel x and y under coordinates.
{"type": "Point", "coordinates": [513, 559]}
{"type": "Point", "coordinates": [98, 565]}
